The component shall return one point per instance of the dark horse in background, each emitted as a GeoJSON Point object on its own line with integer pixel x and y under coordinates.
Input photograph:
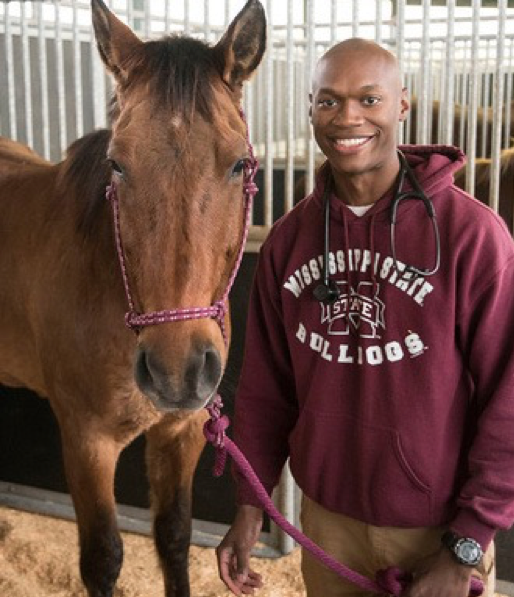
{"type": "Point", "coordinates": [174, 152]}
{"type": "Point", "coordinates": [484, 128]}
{"type": "Point", "coordinates": [483, 179]}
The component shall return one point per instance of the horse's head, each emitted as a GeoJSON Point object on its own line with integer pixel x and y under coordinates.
{"type": "Point", "coordinates": [177, 151]}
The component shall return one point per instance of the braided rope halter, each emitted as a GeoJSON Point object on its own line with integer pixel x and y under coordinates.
{"type": "Point", "coordinates": [391, 581]}
{"type": "Point", "coordinates": [218, 310]}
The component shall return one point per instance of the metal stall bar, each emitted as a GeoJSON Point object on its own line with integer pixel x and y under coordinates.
{"type": "Point", "coordinates": [485, 95]}
{"type": "Point", "coordinates": [473, 100]}
{"type": "Point", "coordinates": [129, 11]}
{"type": "Point", "coordinates": [187, 18]}
{"type": "Point", "coordinates": [268, 143]}
{"type": "Point", "coordinates": [473, 103]}
{"type": "Point", "coordinates": [206, 21]}
{"type": "Point", "coordinates": [77, 74]}
{"type": "Point", "coordinates": [310, 31]}
{"type": "Point", "coordinates": [441, 90]}
{"type": "Point", "coordinates": [226, 19]}
{"type": "Point", "coordinates": [43, 78]}
{"type": "Point", "coordinates": [27, 86]}
{"type": "Point", "coordinates": [13, 128]}
{"type": "Point", "coordinates": [494, 189]}
{"type": "Point", "coordinates": [424, 100]}
{"type": "Point", "coordinates": [59, 65]}
{"type": "Point", "coordinates": [400, 50]}
{"type": "Point", "coordinates": [167, 17]}
{"type": "Point", "coordinates": [333, 22]}
{"type": "Point", "coordinates": [378, 21]}
{"type": "Point", "coordinates": [290, 112]}
{"type": "Point", "coordinates": [507, 141]}
{"type": "Point", "coordinates": [464, 114]}
{"type": "Point", "coordinates": [355, 18]}
{"type": "Point", "coordinates": [98, 83]}
{"type": "Point", "coordinates": [147, 21]}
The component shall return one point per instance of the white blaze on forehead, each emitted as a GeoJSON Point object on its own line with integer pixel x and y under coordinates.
{"type": "Point", "coordinates": [176, 121]}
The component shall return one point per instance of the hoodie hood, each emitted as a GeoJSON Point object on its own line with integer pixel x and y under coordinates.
{"type": "Point", "coordinates": [433, 165]}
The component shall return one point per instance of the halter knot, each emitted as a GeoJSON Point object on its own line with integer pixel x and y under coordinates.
{"type": "Point", "coordinates": [109, 193]}
{"type": "Point", "coordinates": [214, 432]}
{"type": "Point", "coordinates": [251, 188]}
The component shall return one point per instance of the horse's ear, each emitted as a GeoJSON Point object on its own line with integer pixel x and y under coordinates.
{"type": "Point", "coordinates": [116, 42]}
{"type": "Point", "coordinates": [243, 44]}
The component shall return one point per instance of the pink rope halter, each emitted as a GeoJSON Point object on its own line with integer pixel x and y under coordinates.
{"type": "Point", "coordinates": [218, 310]}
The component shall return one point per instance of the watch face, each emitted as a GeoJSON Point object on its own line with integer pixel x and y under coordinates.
{"type": "Point", "coordinates": [468, 551]}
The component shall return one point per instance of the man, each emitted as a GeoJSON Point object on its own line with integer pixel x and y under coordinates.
{"type": "Point", "coordinates": [393, 397]}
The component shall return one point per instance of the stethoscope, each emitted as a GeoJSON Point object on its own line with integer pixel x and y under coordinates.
{"type": "Point", "coordinates": [328, 290]}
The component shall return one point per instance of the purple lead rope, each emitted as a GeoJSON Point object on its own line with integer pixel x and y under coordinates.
{"type": "Point", "coordinates": [391, 581]}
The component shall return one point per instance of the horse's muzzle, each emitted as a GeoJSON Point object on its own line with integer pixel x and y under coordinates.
{"type": "Point", "coordinates": [188, 387]}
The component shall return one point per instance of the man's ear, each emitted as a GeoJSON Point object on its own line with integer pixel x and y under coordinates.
{"type": "Point", "coordinates": [242, 46]}
{"type": "Point", "coordinates": [404, 105]}
{"type": "Point", "coordinates": [116, 42]}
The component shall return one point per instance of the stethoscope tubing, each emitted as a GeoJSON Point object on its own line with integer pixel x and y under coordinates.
{"type": "Point", "coordinates": [328, 291]}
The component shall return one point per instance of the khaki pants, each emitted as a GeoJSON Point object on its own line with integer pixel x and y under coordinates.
{"type": "Point", "coordinates": [366, 549]}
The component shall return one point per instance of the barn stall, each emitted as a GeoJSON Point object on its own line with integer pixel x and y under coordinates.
{"type": "Point", "coordinates": [457, 60]}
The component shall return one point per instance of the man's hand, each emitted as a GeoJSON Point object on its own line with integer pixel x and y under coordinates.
{"type": "Point", "coordinates": [440, 575]}
{"type": "Point", "coordinates": [233, 553]}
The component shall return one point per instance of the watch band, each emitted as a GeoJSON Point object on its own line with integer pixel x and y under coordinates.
{"type": "Point", "coordinates": [466, 550]}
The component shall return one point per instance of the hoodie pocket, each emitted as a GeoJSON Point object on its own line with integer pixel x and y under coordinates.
{"type": "Point", "coordinates": [359, 469]}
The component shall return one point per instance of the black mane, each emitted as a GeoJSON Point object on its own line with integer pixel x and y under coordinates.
{"type": "Point", "coordinates": [181, 72]}
{"type": "Point", "coordinates": [88, 173]}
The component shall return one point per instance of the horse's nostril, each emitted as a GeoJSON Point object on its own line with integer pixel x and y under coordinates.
{"type": "Point", "coordinates": [149, 374]}
{"type": "Point", "coordinates": [143, 375]}
{"type": "Point", "coordinates": [204, 371]}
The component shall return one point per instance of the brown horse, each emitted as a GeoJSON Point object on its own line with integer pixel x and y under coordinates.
{"type": "Point", "coordinates": [482, 183]}
{"type": "Point", "coordinates": [174, 152]}
{"type": "Point", "coordinates": [485, 123]}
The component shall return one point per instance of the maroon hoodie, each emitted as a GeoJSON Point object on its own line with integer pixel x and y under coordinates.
{"type": "Point", "coordinates": [396, 403]}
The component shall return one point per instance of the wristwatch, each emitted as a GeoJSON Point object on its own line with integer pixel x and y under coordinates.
{"type": "Point", "coordinates": [467, 551]}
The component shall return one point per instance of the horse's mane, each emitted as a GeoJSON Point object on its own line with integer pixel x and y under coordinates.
{"type": "Point", "coordinates": [180, 72]}
{"type": "Point", "coordinates": [483, 173]}
{"type": "Point", "coordinates": [507, 160]}
{"type": "Point", "coordinates": [86, 173]}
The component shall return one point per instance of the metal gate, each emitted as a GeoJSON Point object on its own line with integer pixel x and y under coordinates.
{"type": "Point", "coordinates": [456, 57]}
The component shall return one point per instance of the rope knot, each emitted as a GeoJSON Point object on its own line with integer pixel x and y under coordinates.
{"type": "Point", "coordinates": [250, 188]}
{"type": "Point", "coordinates": [109, 192]}
{"type": "Point", "coordinates": [220, 308]}
{"type": "Point", "coordinates": [130, 321]}
{"type": "Point", "coordinates": [393, 580]}
{"type": "Point", "coordinates": [214, 430]}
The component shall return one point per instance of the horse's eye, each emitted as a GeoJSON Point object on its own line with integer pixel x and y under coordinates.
{"type": "Point", "coordinates": [238, 168]}
{"type": "Point", "coordinates": [115, 167]}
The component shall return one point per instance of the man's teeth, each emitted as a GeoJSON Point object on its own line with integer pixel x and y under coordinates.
{"type": "Point", "coordinates": [351, 142]}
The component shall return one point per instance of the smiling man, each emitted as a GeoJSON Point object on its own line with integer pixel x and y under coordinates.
{"type": "Point", "coordinates": [379, 355]}
{"type": "Point", "coordinates": [355, 118]}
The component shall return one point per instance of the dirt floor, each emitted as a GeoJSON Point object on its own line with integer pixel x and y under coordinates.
{"type": "Point", "coordinates": [38, 558]}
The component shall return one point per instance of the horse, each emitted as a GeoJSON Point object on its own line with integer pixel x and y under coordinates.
{"type": "Point", "coordinates": [482, 183]}
{"type": "Point", "coordinates": [484, 125]}
{"type": "Point", "coordinates": [174, 160]}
